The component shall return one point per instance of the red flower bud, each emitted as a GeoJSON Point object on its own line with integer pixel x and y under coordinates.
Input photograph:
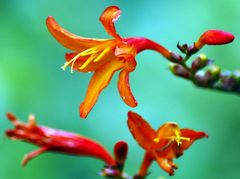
{"type": "Point", "coordinates": [214, 37]}
{"type": "Point", "coordinates": [120, 152]}
{"type": "Point", "coordinates": [49, 139]}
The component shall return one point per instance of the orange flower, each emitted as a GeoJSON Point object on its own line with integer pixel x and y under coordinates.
{"type": "Point", "coordinates": [103, 57]}
{"type": "Point", "coordinates": [163, 145]}
{"type": "Point", "coordinates": [53, 140]}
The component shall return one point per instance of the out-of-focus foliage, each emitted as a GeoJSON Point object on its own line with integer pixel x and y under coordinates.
{"type": "Point", "coordinates": [31, 81]}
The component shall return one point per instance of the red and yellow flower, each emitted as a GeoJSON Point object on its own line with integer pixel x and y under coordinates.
{"type": "Point", "coordinates": [163, 145]}
{"type": "Point", "coordinates": [103, 57]}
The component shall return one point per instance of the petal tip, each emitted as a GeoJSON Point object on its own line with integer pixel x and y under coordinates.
{"type": "Point", "coordinates": [131, 114]}
{"type": "Point", "coordinates": [11, 117]}
{"type": "Point", "coordinates": [83, 112]}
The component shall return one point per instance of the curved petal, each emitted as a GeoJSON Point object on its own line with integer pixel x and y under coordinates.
{"type": "Point", "coordinates": [166, 164]}
{"type": "Point", "coordinates": [33, 154]}
{"type": "Point", "coordinates": [108, 17]}
{"type": "Point", "coordinates": [141, 130]}
{"type": "Point", "coordinates": [192, 135]}
{"type": "Point", "coordinates": [124, 89]}
{"type": "Point", "coordinates": [99, 81]}
{"type": "Point", "coordinates": [127, 52]}
{"type": "Point", "coordinates": [69, 40]}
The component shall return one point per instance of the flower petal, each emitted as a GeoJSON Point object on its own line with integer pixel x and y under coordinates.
{"type": "Point", "coordinates": [166, 164]}
{"type": "Point", "coordinates": [108, 17]}
{"type": "Point", "coordinates": [124, 89]}
{"type": "Point", "coordinates": [126, 51]}
{"type": "Point", "coordinates": [192, 135]}
{"type": "Point", "coordinates": [55, 141]}
{"type": "Point", "coordinates": [69, 40]}
{"type": "Point", "coordinates": [141, 130]}
{"type": "Point", "coordinates": [33, 154]}
{"type": "Point", "coordinates": [99, 81]}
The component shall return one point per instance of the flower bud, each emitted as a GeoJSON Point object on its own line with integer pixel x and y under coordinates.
{"type": "Point", "coordinates": [179, 70]}
{"type": "Point", "coordinates": [214, 37]}
{"type": "Point", "coordinates": [214, 71]}
{"type": "Point", "coordinates": [200, 62]}
{"type": "Point", "coordinates": [174, 57]}
{"type": "Point", "coordinates": [54, 140]}
{"type": "Point", "coordinates": [237, 76]}
{"type": "Point", "coordinates": [120, 152]}
{"type": "Point", "coordinates": [229, 83]}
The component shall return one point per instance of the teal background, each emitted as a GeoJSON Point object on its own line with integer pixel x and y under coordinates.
{"type": "Point", "coordinates": [31, 81]}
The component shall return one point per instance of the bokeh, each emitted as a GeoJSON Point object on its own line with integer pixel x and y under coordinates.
{"type": "Point", "coordinates": [31, 81]}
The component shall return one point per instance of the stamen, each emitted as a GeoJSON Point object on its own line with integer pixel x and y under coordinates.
{"type": "Point", "coordinates": [89, 60]}
{"type": "Point", "coordinates": [102, 54]}
{"type": "Point", "coordinates": [178, 138]}
{"type": "Point", "coordinates": [93, 53]}
{"type": "Point", "coordinates": [89, 51]}
{"type": "Point", "coordinates": [71, 61]}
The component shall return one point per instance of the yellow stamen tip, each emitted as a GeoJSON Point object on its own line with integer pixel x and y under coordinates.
{"type": "Point", "coordinates": [156, 140]}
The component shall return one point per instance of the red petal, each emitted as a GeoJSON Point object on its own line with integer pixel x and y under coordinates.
{"type": "Point", "coordinates": [33, 154]}
{"type": "Point", "coordinates": [69, 40]}
{"type": "Point", "coordinates": [108, 17]}
{"type": "Point", "coordinates": [141, 130]}
{"type": "Point", "coordinates": [193, 135]}
{"type": "Point", "coordinates": [124, 89]}
{"type": "Point", "coordinates": [99, 81]}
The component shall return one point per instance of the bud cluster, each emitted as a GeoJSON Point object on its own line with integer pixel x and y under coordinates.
{"type": "Point", "coordinates": [202, 72]}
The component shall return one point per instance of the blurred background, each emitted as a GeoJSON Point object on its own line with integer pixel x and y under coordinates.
{"type": "Point", "coordinates": [31, 81]}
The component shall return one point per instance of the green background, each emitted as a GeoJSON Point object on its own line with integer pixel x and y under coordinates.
{"type": "Point", "coordinates": [31, 81]}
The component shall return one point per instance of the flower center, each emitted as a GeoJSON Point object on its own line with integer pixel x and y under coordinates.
{"type": "Point", "coordinates": [95, 55]}
{"type": "Point", "coordinates": [177, 137]}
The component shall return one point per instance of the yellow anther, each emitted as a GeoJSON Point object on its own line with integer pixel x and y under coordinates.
{"type": "Point", "coordinates": [156, 140]}
{"type": "Point", "coordinates": [178, 138]}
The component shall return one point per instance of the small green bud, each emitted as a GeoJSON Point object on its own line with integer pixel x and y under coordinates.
{"type": "Point", "coordinates": [215, 71]}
